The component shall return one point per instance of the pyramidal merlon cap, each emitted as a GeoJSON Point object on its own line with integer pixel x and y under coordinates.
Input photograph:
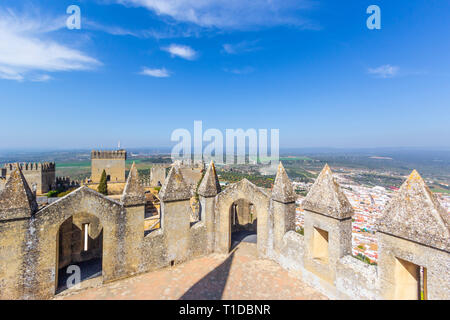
{"type": "Point", "coordinates": [210, 186]}
{"type": "Point", "coordinates": [134, 193]}
{"type": "Point", "coordinates": [16, 199]}
{"type": "Point", "coordinates": [283, 191]}
{"type": "Point", "coordinates": [415, 214]}
{"type": "Point", "coordinates": [327, 198]}
{"type": "Point", "coordinates": [175, 187]}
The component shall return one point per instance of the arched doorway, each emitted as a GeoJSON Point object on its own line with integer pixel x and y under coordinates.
{"type": "Point", "coordinates": [79, 250]}
{"type": "Point", "coordinates": [243, 220]}
{"type": "Point", "coordinates": [89, 204]}
{"type": "Point", "coordinates": [253, 200]}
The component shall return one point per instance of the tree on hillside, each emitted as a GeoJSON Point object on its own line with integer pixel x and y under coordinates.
{"type": "Point", "coordinates": [103, 185]}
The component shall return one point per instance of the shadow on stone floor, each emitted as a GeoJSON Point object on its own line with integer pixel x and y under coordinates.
{"type": "Point", "coordinates": [211, 286]}
{"type": "Point", "coordinates": [89, 270]}
{"type": "Point", "coordinates": [242, 236]}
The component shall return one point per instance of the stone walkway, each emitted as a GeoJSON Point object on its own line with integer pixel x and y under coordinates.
{"type": "Point", "coordinates": [240, 275]}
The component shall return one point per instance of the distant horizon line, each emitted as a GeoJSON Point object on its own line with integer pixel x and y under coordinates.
{"type": "Point", "coordinates": [168, 148]}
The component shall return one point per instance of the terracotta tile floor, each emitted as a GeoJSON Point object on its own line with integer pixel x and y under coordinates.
{"type": "Point", "coordinates": [240, 275]}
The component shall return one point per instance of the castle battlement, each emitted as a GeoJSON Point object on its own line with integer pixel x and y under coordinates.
{"type": "Point", "coordinates": [413, 234]}
{"type": "Point", "coordinates": [62, 179]}
{"type": "Point", "coordinates": [109, 154]}
{"type": "Point", "coordinates": [31, 166]}
{"type": "Point", "coordinates": [38, 175]}
{"type": "Point", "coordinates": [66, 183]}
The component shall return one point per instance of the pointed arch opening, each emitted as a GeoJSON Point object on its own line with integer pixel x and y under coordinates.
{"type": "Point", "coordinates": [243, 222]}
{"type": "Point", "coordinates": [242, 207]}
{"type": "Point", "coordinates": [79, 252]}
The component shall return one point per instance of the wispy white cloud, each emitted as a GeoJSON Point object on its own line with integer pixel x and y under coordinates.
{"type": "Point", "coordinates": [28, 52]}
{"type": "Point", "coordinates": [241, 47]}
{"type": "Point", "coordinates": [157, 73]}
{"type": "Point", "coordinates": [230, 14]}
{"type": "Point", "coordinates": [244, 70]}
{"type": "Point", "coordinates": [113, 30]}
{"type": "Point", "coordinates": [41, 78]}
{"type": "Point", "coordinates": [385, 71]}
{"type": "Point", "coordinates": [170, 31]}
{"type": "Point", "coordinates": [181, 51]}
{"type": "Point", "coordinates": [167, 31]}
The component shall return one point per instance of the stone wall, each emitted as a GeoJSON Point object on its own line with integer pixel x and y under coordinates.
{"type": "Point", "coordinates": [336, 273]}
{"type": "Point", "coordinates": [35, 244]}
{"type": "Point", "coordinates": [157, 175]}
{"type": "Point", "coordinates": [2, 183]}
{"type": "Point", "coordinates": [12, 253]}
{"type": "Point", "coordinates": [192, 176]}
{"type": "Point", "coordinates": [436, 262]}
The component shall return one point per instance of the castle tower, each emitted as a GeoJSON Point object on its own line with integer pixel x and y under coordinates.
{"type": "Point", "coordinates": [113, 162]}
{"type": "Point", "coordinates": [17, 206]}
{"type": "Point", "coordinates": [283, 206]}
{"type": "Point", "coordinates": [328, 226]}
{"type": "Point", "coordinates": [414, 244]}
{"type": "Point", "coordinates": [40, 177]}
{"type": "Point", "coordinates": [208, 189]}
{"type": "Point", "coordinates": [175, 215]}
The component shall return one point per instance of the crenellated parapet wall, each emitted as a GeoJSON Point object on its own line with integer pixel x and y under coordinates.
{"type": "Point", "coordinates": [413, 235]}
{"type": "Point", "coordinates": [63, 180]}
{"type": "Point", "coordinates": [40, 176]}
{"type": "Point", "coordinates": [31, 166]}
{"type": "Point", "coordinates": [109, 154]}
{"type": "Point", "coordinates": [66, 183]}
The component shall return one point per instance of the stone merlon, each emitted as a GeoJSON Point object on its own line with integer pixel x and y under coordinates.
{"type": "Point", "coordinates": [16, 200]}
{"type": "Point", "coordinates": [175, 187]}
{"type": "Point", "coordinates": [327, 198]}
{"type": "Point", "coordinates": [210, 186]}
{"type": "Point", "coordinates": [283, 190]}
{"type": "Point", "coordinates": [415, 214]}
{"type": "Point", "coordinates": [114, 154]}
{"type": "Point", "coordinates": [134, 193]}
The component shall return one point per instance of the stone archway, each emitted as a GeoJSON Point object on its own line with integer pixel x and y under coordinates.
{"type": "Point", "coordinates": [82, 202]}
{"type": "Point", "coordinates": [79, 250]}
{"type": "Point", "coordinates": [243, 222]}
{"type": "Point", "coordinates": [247, 191]}
{"type": "Point", "coordinates": [243, 216]}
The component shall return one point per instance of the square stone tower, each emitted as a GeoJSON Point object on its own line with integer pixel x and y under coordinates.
{"type": "Point", "coordinates": [113, 162]}
{"type": "Point", "coordinates": [40, 177]}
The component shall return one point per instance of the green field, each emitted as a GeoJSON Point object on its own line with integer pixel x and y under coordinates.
{"type": "Point", "coordinates": [296, 159]}
{"type": "Point", "coordinates": [300, 174]}
{"type": "Point", "coordinates": [440, 190]}
{"type": "Point", "coordinates": [81, 164]}
{"type": "Point", "coordinates": [256, 178]}
{"type": "Point", "coordinates": [78, 164]}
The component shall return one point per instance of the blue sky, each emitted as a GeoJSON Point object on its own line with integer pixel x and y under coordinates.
{"type": "Point", "coordinates": [139, 69]}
